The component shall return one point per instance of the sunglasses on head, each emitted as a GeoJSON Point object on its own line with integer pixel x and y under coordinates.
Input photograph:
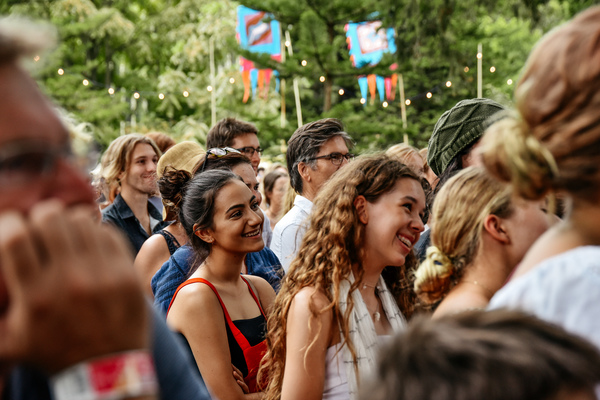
{"type": "Point", "coordinates": [218, 152]}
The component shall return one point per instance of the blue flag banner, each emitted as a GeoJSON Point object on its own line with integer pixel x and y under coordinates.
{"type": "Point", "coordinates": [257, 32]}
{"type": "Point", "coordinates": [367, 43]}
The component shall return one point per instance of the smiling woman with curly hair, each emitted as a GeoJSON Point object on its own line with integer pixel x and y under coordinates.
{"type": "Point", "coordinates": [349, 283]}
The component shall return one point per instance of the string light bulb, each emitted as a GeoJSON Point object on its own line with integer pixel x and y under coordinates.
{"type": "Point", "coordinates": [448, 84]}
{"type": "Point", "coordinates": [322, 78]}
{"type": "Point", "coordinates": [209, 88]}
{"type": "Point", "coordinates": [466, 69]}
{"type": "Point", "coordinates": [36, 58]}
{"type": "Point", "coordinates": [385, 104]}
{"type": "Point", "coordinates": [407, 102]}
{"type": "Point", "coordinates": [61, 71]}
{"type": "Point", "coordinates": [509, 82]}
{"type": "Point", "coordinates": [429, 95]}
{"type": "Point", "coordinates": [186, 93]}
{"type": "Point", "coordinates": [161, 96]}
{"type": "Point", "coordinates": [341, 92]}
{"type": "Point", "coordinates": [111, 91]}
{"type": "Point", "coordinates": [136, 95]}
{"type": "Point", "coordinates": [304, 62]}
{"type": "Point", "coordinates": [231, 80]}
{"type": "Point", "coordinates": [287, 43]}
{"type": "Point", "coordinates": [85, 82]}
{"type": "Point", "coordinates": [363, 100]}
{"type": "Point", "coordinates": [493, 69]}
{"type": "Point", "coordinates": [479, 56]}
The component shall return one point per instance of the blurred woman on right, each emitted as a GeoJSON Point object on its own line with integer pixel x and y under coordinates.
{"type": "Point", "coordinates": [554, 146]}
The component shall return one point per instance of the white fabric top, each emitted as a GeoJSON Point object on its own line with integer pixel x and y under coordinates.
{"type": "Point", "coordinates": [289, 231]}
{"type": "Point", "coordinates": [267, 234]}
{"type": "Point", "coordinates": [564, 289]}
{"type": "Point", "coordinates": [336, 379]}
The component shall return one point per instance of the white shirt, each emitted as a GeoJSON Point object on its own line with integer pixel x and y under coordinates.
{"type": "Point", "coordinates": [289, 231]}
{"type": "Point", "coordinates": [267, 234]}
{"type": "Point", "coordinates": [563, 289]}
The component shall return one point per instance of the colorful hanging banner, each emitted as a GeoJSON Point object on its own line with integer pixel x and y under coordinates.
{"type": "Point", "coordinates": [257, 34]}
{"type": "Point", "coordinates": [367, 43]}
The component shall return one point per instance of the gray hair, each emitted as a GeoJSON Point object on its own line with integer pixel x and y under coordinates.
{"type": "Point", "coordinates": [306, 142]}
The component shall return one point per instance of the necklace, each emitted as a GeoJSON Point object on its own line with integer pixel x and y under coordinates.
{"type": "Point", "coordinates": [488, 291]}
{"type": "Point", "coordinates": [376, 315]}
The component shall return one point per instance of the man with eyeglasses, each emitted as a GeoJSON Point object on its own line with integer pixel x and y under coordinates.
{"type": "Point", "coordinates": [74, 322]}
{"type": "Point", "coordinates": [315, 152]}
{"type": "Point", "coordinates": [242, 136]}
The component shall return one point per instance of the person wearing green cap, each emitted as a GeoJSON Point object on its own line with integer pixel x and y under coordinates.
{"type": "Point", "coordinates": [454, 136]}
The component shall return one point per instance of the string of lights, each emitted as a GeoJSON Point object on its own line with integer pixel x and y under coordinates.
{"type": "Point", "coordinates": [137, 94]}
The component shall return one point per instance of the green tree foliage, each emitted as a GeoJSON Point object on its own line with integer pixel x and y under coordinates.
{"type": "Point", "coordinates": [437, 42]}
{"type": "Point", "coordinates": [161, 47]}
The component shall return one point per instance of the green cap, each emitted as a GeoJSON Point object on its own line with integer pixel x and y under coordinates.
{"type": "Point", "coordinates": [457, 129]}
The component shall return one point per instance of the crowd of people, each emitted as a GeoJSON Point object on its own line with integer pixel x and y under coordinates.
{"type": "Point", "coordinates": [465, 270]}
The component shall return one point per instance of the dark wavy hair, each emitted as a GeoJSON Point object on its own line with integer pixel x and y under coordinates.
{"type": "Point", "coordinates": [197, 207]}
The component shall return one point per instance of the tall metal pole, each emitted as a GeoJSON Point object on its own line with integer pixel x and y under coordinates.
{"type": "Point", "coordinates": [213, 95]}
{"type": "Point", "coordinates": [283, 121]}
{"type": "Point", "coordinates": [402, 106]}
{"type": "Point", "coordinates": [296, 89]}
{"type": "Point", "coordinates": [479, 71]}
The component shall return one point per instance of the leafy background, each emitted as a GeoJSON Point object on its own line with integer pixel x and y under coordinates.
{"type": "Point", "coordinates": [162, 46]}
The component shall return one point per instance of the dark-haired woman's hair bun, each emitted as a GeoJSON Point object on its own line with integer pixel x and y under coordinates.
{"type": "Point", "coordinates": [172, 189]}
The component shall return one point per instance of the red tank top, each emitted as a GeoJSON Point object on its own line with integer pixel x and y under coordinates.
{"type": "Point", "coordinates": [252, 354]}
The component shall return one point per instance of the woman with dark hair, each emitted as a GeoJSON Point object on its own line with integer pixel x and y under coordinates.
{"type": "Point", "coordinates": [350, 282]}
{"type": "Point", "coordinates": [220, 312]}
{"type": "Point", "coordinates": [176, 269]}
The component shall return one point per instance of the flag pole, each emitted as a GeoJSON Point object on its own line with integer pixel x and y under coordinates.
{"type": "Point", "coordinates": [403, 106]}
{"type": "Point", "coordinates": [283, 121]}
{"type": "Point", "coordinates": [213, 98]}
{"type": "Point", "coordinates": [479, 71]}
{"type": "Point", "coordinates": [296, 89]}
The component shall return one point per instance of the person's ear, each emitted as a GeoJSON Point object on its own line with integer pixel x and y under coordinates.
{"type": "Point", "coordinates": [204, 234]}
{"type": "Point", "coordinates": [303, 170]}
{"type": "Point", "coordinates": [495, 227]}
{"type": "Point", "coordinates": [360, 203]}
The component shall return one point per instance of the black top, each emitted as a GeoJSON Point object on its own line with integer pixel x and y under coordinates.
{"type": "Point", "coordinates": [171, 240]}
{"type": "Point", "coordinates": [253, 329]}
{"type": "Point", "coordinates": [120, 215]}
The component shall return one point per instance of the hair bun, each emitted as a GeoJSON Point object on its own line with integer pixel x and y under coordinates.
{"type": "Point", "coordinates": [172, 188]}
{"type": "Point", "coordinates": [513, 155]}
{"type": "Point", "coordinates": [432, 278]}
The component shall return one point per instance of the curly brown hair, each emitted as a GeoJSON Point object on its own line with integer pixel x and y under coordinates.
{"type": "Point", "coordinates": [332, 245]}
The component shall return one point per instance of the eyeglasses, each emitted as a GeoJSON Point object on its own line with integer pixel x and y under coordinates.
{"type": "Point", "coordinates": [249, 151]}
{"type": "Point", "coordinates": [25, 162]}
{"type": "Point", "coordinates": [335, 158]}
{"type": "Point", "coordinates": [218, 152]}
